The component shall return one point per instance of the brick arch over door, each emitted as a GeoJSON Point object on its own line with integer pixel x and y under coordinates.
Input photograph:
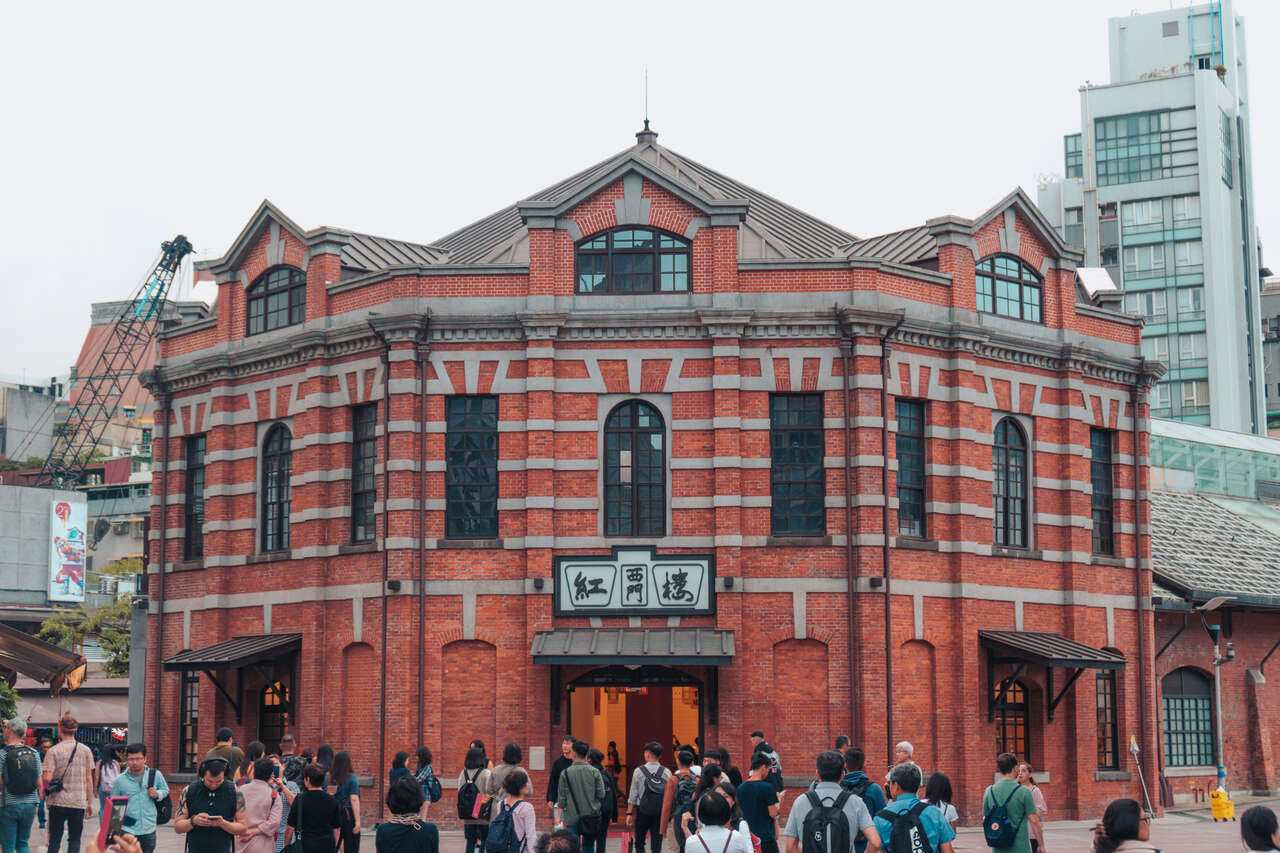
{"type": "Point", "coordinates": [915, 701]}
{"type": "Point", "coordinates": [468, 702]}
{"type": "Point", "coordinates": [359, 732]}
{"type": "Point", "coordinates": [801, 678]}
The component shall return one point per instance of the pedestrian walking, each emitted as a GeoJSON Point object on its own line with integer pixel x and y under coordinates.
{"type": "Point", "coordinates": [479, 744]}
{"type": "Point", "coordinates": [211, 811]}
{"type": "Point", "coordinates": [842, 743]}
{"type": "Point", "coordinates": [609, 806]}
{"type": "Point", "coordinates": [686, 819]}
{"type": "Point", "coordinates": [399, 768]}
{"type": "Point", "coordinates": [262, 809]}
{"type": "Point", "coordinates": [224, 747]}
{"type": "Point", "coordinates": [1028, 781]}
{"type": "Point", "coordinates": [512, 755]}
{"type": "Point", "coordinates": [68, 779]}
{"type": "Point", "coordinates": [759, 744]}
{"type": "Point", "coordinates": [644, 799]}
{"type": "Point", "coordinates": [472, 783]}
{"type": "Point", "coordinates": [827, 817]}
{"type": "Point", "coordinates": [1125, 828]}
{"type": "Point", "coordinates": [513, 829]}
{"type": "Point", "coordinates": [289, 790]}
{"type": "Point", "coordinates": [937, 793]}
{"type": "Point", "coordinates": [315, 817]}
{"type": "Point", "coordinates": [405, 831]}
{"type": "Point", "coordinates": [677, 797]}
{"type": "Point", "coordinates": [558, 766]}
{"type": "Point", "coordinates": [347, 793]}
{"type": "Point", "coordinates": [106, 771]}
{"type": "Point", "coordinates": [717, 834]}
{"type": "Point", "coordinates": [19, 787]}
{"type": "Point", "coordinates": [613, 760]}
{"type": "Point", "coordinates": [908, 824]}
{"type": "Point", "coordinates": [45, 745]}
{"type": "Point", "coordinates": [759, 803]}
{"type": "Point", "coordinates": [732, 773]}
{"type": "Point", "coordinates": [145, 787]}
{"type": "Point", "coordinates": [857, 781]}
{"type": "Point", "coordinates": [1259, 829]}
{"type": "Point", "coordinates": [581, 797]}
{"type": "Point", "coordinates": [324, 757]}
{"type": "Point", "coordinates": [1008, 809]}
{"type": "Point", "coordinates": [431, 788]}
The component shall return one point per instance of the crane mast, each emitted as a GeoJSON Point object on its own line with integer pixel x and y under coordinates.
{"type": "Point", "coordinates": [126, 343]}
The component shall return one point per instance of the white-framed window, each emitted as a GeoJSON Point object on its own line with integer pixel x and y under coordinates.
{"type": "Point", "coordinates": [1186, 207]}
{"type": "Point", "coordinates": [1161, 396]}
{"type": "Point", "coordinates": [1190, 300]}
{"type": "Point", "coordinates": [1188, 253]}
{"type": "Point", "coordinates": [1149, 211]}
{"type": "Point", "coordinates": [1195, 392]}
{"type": "Point", "coordinates": [1144, 258]}
{"type": "Point", "coordinates": [1148, 303]}
{"type": "Point", "coordinates": [1193, 345]}
{"type": "Point", "coordinates": [1156, 348]}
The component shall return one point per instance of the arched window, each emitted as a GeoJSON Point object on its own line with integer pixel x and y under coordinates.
{"type": "Point", "coordinates": [277, 465]}
{"type": "Point", "coordinates": [635, 471]}
{"type": "Point", "coordinates": [273, 715]}
{"type": "Point", "coordinates": [1187, 703]}
{"type": "Point", "coordinates": [633, 260]}
{"type": "Point", "coordinates": [1009, 491]}
{"type": "Point", "coordinates": [1013, 716]}
{"type": "Point", "coordinates": [1008, 287]}
{"type": "Point", "coordinates": [277, 299]}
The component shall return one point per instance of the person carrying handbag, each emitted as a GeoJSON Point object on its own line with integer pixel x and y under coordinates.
{"type": "Point", "coordinates": [581, 798]}
{"type": "Point", "coordinates": [315, 819]}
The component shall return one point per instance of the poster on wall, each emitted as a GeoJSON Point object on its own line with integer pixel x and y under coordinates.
{"type": "Point", "coordinates": [67, 522]}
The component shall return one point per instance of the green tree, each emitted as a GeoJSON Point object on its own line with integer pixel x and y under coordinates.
{"type": "Point", "coordinates": [68, 628]}
{"type": "Point", "coordinates": [8, 701]}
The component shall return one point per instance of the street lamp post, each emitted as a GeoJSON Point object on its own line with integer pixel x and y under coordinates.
{"type": "Point", "coordinates": [1215, 634]}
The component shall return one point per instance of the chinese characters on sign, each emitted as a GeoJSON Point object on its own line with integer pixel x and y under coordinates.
{"type": "Point", "coordinates": [632, 581]}
{"type": "Point", "coordinates": [67, 522]}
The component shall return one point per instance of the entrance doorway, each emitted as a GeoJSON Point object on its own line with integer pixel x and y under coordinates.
{"type": "Point", "coordinates": [631, 707]}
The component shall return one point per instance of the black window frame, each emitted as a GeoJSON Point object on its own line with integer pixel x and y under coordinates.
{"type": "Point", "coordinates": [273, 714]}
{"type": "Point", "coordinates": [364, 463]}
{"type": "Point", "coordinates": [1102, 483]}
{"type": "Point", "coordinates": [280, 279]}
{"type": "Point", "coordinates": [275, 506]}
{"type": "Point", "coordinates": [1010, 468]}
{"type": "Point", "coordinates": [602, 253]}
{"type": "Point", "coordinates": [189, 721]}
{"type": "Point", "coordinates": [632, 507]}
{"type": "Point", "coordinates": [1108, 720]}
{"type": "Point", "coordinates": [193, 497]}
{"type": "Point", "coordinates": [797, 476]}
{"type": "Point", "coordinates": [1012, 716]}
{"type": "Point", "coordinates": [471, 466]}
{"type": "Point", "coordinates": [911, 455]}
{"type": "Point", "coordinates": [989, 280]}
{"type": "Point", "coordinates": [1187, 719]}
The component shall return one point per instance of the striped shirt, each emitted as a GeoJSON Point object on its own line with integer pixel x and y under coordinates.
{"type": "Point", "coordinates": [8, 799]}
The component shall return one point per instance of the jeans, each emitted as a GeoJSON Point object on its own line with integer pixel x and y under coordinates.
{"type": "Point", "coordinates": [649, 826]}
{"type": "Point", "coordinates": [73, 818]}
{"type": "Point", "coordinates": [148, 842]}
{"type": "Point", "coordinates": [40, 812]}
{"type": "Point", "coordinates": [588, 843]}
{"type": "Point", "coordinates": [15, 827]}
{"type": "Point", "coordinates": [475, 834]}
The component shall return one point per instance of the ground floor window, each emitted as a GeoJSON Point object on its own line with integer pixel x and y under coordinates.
{"type": "Point", "coordinates": [1108, 750]}
{"type": "Point", "coordinates": [188, 718]}
{"type": "Point", "coordinates": [1012, 716]}
{"type": "Point", "coordinates": [273, 715]}
{"type": "Point", "coordinates": [1187, 704]}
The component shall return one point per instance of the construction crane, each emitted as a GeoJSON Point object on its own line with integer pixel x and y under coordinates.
{"type": "Point", "coordinates": [133, 331]}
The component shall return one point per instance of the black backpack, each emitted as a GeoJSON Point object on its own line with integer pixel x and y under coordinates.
{"type": "Point", "coordinates": [20, 770]}
{"type": "Point", "coordinates": [775, 772]}
{"type": "Point", "coordinates": [859, 789]}
{"type": "Point", "coordinates": [164, 805]}
{"type": "Point", "coordinates": [468, 793]}
{"type": "Point", "coordinates": [996, 826]}
{"type": "Point", "coordinates": [907, 835]}
{"type": "Point", "coordinates": [502, 837]}
{"type": "Point", "coordinates": [655, 788]}
{"type": "Point", "coordinates": [683, 802]}
{"type": "Point", "coordinates": [826, 827]}
{"type": "Point", "coordinates": [609, 807]}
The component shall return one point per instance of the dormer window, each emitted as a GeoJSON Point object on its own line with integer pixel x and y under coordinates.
{"type": "Point", "coordinates": [633, 260]}
{"type": "Point", "coordinates": [277, 299]}
{"type": "Point", "coordinates": [1007, 287]}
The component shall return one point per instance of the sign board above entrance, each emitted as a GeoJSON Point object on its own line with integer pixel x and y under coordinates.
{"type": "Point", "coordinates": [633, 582]}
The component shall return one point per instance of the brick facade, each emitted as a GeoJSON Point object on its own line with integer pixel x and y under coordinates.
{"type": "Point", "coordinates": [374, 677]}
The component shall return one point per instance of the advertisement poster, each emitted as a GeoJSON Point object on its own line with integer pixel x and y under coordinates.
{"type": "Point", "coordinates": [67, 522]}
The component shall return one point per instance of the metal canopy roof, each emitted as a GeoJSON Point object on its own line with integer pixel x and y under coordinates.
{"type": "Point", "coordinates": [37, 659]}
{"type": "Point", "coordinates": [634, 646]}
{"type": "Point", "coordinates": [236, 653]}
{"type": "Point", "coordinates": [1048, 649]}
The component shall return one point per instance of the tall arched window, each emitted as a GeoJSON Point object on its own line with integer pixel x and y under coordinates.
{"type": "Point", "coordinates": [635, 471]}
{"type": "Point", "coordinates": [273, 715]}
{"type": "Point", "coordinates": [1013, 717]}
{"type": "Point", "coordinates": [633, 260]}
{"type": "Point", "coordinates": [1009, 491]}
{"type": "Point", "coordinates": [278, 298]}
{"type": "Point", "coordinates": [1187, 703]}
{"type": "Point", "coordinates": [277, 465]}
{"type": "Point", "coordinates": [1006, 286]}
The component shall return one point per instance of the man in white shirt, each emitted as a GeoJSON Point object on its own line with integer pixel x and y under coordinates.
{"type": "Point", "coordinates": [644, 802]}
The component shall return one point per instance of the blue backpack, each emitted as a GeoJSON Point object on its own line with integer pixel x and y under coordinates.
{"type": "Point", "coordinates": [996, 826]}
{"type": "Point", "coordinates": [502, 836]}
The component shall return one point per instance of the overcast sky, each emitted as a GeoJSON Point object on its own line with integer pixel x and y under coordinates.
{"type": "Point", "coordinates": [127, 123]}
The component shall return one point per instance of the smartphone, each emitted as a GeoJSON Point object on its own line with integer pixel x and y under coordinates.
{"type": "Point", "coordinates": [275, 771]}
{"type": "Point", "coordinates": [112, 820]}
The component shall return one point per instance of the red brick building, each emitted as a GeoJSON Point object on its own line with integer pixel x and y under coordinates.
{"type": "Point", "coordinates": [653, 455]}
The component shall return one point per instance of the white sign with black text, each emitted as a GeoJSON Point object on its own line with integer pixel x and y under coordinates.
{"type": "Point", "coordinates": [635, 582]}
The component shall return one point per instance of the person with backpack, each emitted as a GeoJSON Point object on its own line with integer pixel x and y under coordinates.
{"type": "Point", "coordinates": [432, 790]}
{"type": "Point", "coordinates": [608, 808]}
{"type": "Point", "coordinates": [19, 787]}
{"type": "Point", "coordinates": [147, 792]}
{"type": "Point", "coordinates": [857, 781]}
{"type": "Point", "coordinates": [512, 755]}
{"type": "Point", "coordinates": [759, 744]}
{"type": "Point", "coordinates": [405, 831]}
{"type": "Point", "coordinates": [759, 802]}
{"type": "Point", "coordinates": [108, 769]}
{"type": "Point", "coordinates": [513, 828]}
{"type": "Point", "coordinates": [678, 797]}
{"type": "Point", "coordinates": [210, 812]}
{"type": "Point", "coordinates": [717, 834]}
{"type": "Point", "coordinates": [827, 818]}
{"type": "Point", "coordinates": [686, 820]}
{"type": "Point", "coordinates": [581, 798]}
{"type": "Point", "coordinates": [472, 783]}
{"type": "Point", "coordinates": [907, 824]}
{"type": "Point", "coordinates": [644, 799]}
{"type": "Point", "coordinates": [68, 779]}
{"type": "Point", "coordinates": [1008, 809]}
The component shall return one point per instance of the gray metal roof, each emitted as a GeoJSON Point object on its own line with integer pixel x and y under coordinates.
{"type": "Point", "coordinates": [369, 253]}
{"type": "Point", "coordinates": [633, 645]}
{"type": "Point", "coordinates": [1201, 548]}
{"type": "Point", "coordinates": [236, 652]}
{"type": "Point", "coordinates": [1049, 649]}
{"type": "Point", "coordinates": [908, 246]}
{"type": "Point", "coordinates": [36, 659]}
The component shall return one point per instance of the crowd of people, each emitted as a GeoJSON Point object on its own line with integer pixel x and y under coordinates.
{"type": "Point", "coordinates": [308, 801]}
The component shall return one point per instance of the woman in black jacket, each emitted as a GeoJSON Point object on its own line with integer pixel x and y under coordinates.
{"type": "Point", "coordinates": [609, 806]}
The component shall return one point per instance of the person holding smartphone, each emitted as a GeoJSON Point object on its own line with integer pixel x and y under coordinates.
{"type": "Point", "coordinates": [211, 812]}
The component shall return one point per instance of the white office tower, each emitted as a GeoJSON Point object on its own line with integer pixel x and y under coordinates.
{"type": "Point", "coordinates": [1159, 190]}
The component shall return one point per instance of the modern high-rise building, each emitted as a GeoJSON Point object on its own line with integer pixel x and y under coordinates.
{"type": "Point", "coordinates": [1158, 189]}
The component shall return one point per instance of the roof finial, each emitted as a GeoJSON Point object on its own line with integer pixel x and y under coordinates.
{"type": "Point", "coordinates": [646, 135]}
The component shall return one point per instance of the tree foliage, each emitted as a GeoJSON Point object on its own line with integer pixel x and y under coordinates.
{"type": "Point", "coordinates": [8, 702]}
{"type": "Point", "coordinates": [68, 628]}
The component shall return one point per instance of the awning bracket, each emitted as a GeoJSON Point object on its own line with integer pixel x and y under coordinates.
{"type": "Point", "coordinates": [225, 695]}
{"type": "Point", "coordinates": [1054, 702]}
